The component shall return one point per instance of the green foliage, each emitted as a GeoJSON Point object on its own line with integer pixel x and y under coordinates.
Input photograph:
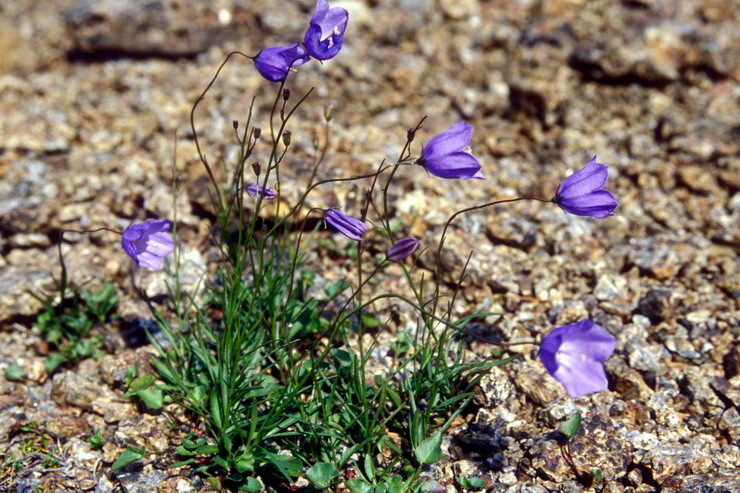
{"type": "Point", "coordinates": [68, 320]}
{"type": "Point", "coordinates": [14, 373]}
{"type": "Point", "coordinates": [430, 450]}
{"type": "Point", "coordinates": [470, 484]}
{"type": "Point", "coordinates": [128, 457]}
{"type": "Point", "coordinates": [273, 362]}
{"type": "Point", "coordinates": [570, 427]}
{"type": "Point", "coordinates": [322, 474]}
{"type": "Point", "coordinates": [95, 441]}
{"type": "Point", "coordinates": [143, 388]}
{"type": "Point", "coordinates": [31, 446]}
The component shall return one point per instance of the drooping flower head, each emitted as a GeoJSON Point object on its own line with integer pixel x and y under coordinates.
{"type": "Point", "coordinates": [256, 189]}
{"type": "Point", "coordinates": [349, 226]}
{"type": "Point", "coordinates": [323, 38]}
{"type": "Point", "coordinates": [402, 248]}
{"type": "Point", "coordinates": [574, 355]}
{"type": "Point", "coordinates": [148, 243]}
{"type": "Point", "coordinates": [444, 155]}
{"type": "Point", "coordinates": [274, 63]}
{"type": "Point", "coordinates": [583, 194]}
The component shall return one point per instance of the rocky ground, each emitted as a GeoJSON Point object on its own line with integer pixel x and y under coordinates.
{"type": "Point", "coordinates": [94, 96]}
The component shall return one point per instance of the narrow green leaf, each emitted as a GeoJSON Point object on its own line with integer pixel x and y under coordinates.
{"type": "Point", "coordinates": [321, 474]}
{"type": "Point", "coordinates": [180, 450]}
{"type": "Point", "coordinates": [215, 411]}
{"type": "Point", "coordinates": [430, 450]}
{"type": "Point", "coordinates": [207, 449]}
{"type": "Point", "coordinates": [369, 466]}
{"type": "Point", "coordinates": [128, 456]}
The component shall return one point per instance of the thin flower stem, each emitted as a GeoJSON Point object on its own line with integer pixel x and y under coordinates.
{"type": "Point", "coordinates": [447, 225]}
{"type": "Point", "coordinates": [401, 158]}
{"type": "Point", "coordinates": [195, 132]}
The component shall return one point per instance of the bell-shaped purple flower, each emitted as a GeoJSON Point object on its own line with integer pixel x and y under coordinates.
{"type": "Point", "coordinates": [402, 248]}
{"type": "Point", "coordinates": [325, 32]}
{"type": "Point", "coordinates": [274, 63]}
{"type": "Point", "coordinates": [583, 194]}
{"type": "Point", "coordinates": [256, 189]}
{"type": "Point", "coordinates": [349, 226]}
{"type": "Point", "coordinates": [444, 155]}
{"type": "Point", "coordinates": [574, 354]}
{"type": "Point", "coordinates": [148, 243]}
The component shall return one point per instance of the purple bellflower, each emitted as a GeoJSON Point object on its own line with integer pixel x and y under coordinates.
{"type": "Point", "coordinates": [402, 248]}
{"type": "Point", "coordinates": [583, 194]}
{"type": "Point", "coordinates": [323, 38]}
{"type": "Point", "coordinates": [444, 155]}
{"type": "Point", "coordinates": [574, 355]}
{"type": "Point", "coordinates": [274, 63]}
{"type": "Point", "coordinates": [148, 243]}
{"type": "Point", "coordinates": [255, 190]}
{"type": "Point", "coordinates": [349, 226]}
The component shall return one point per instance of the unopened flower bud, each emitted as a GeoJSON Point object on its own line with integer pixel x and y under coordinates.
{"type": "Point", "coordinates": [402, 248]}
{"type": "Point", "coordinates": [286, 137]}
{"type": "Point", "coordinates": [235, 123]}
{"type": "Point", "coordinates": [328, 111]}
{"type": "Point", "coordinates": [286, 94]}
{"type": "Point", "coordinates": [257, 167]}
{"type": "Point", "coordinates": [256, 131]}
{"type": "Point", "coordinates": [315, 142]}
{"type": "Point", "coordinates": [410, 134]}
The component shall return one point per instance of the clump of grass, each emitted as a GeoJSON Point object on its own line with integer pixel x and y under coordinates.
{"type": "Point", "coordinates": [31, 449]}
{"type": "Point", "coordinates": [68, 316]}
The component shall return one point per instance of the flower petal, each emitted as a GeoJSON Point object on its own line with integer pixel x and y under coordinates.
{"type": "Point", "coordinates": [599, 204]}
{"type": "Point", "coordinates": [148, 243]}
{"type": "Point", "coordinates": [325, 33]}
{"type": "Point", "coordinates": [455, 165]}
{"type": "Point", "coordinates": [349, 226]}
{"type": "Point", "coordinates": [574, 355]}
{"type": "Point", "coordinates": [402, 248]}
{"type": "Point", "coordinates": [275, 62]}
{"type": "Point", "coordinates": [454, 139]}
{"type": "Point", "coordinates": [591, 177]}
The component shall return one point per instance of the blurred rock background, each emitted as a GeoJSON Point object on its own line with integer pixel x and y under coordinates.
{"type": "Point", "coordinates": [94, 95]}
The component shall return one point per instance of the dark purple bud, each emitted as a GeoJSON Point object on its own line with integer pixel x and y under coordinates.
{"type": "Point", "coordinates": [286, 137]}
{"type": "Point", "coordinates": [255, 190]}
{"type": "Point", "coordinates": [583, 194]}
{"type": "Point", "coordinates": [349, 226]}
{"type": "Point", "coordinates": [410, 134]}
{"type": "Point", "coordinates": [402, 248]}
{"type": "Point", "coordinates": [257, 167]}
{"type": "Point", "coordinates": [256, 131]}
{"type": "Point", "coordinates": [286, 93]}
{"type": "Point", "coordinates": [235, 123]}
